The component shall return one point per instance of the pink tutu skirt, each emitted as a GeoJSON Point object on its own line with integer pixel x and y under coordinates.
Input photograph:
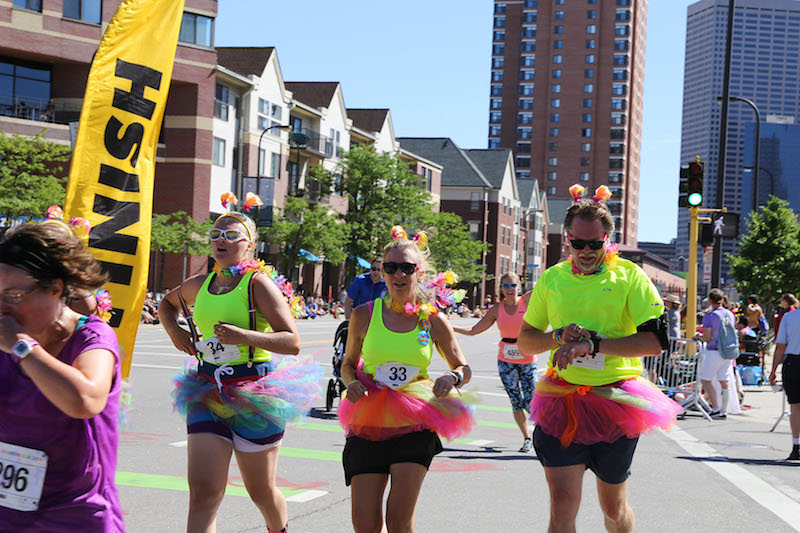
{"type": "Point", "coordinates": [384, 413]}
{"type": "Point", "coordinates": [587, 414]}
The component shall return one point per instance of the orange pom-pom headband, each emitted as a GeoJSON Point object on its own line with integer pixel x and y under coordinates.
{"type": "Point", "coordinates": [601, 194]}
{"type": "Point", "coordinates": [251, 200]}
{"type": "Point", "coordinates": [79, 227]}
{"type": "Point", "coordinates": [420, 238]}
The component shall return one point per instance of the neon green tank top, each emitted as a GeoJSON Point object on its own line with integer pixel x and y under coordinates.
{"type": "Point", "coordinates": [384, 346]}
{"type": "Point", "coordinates": [230, 308]}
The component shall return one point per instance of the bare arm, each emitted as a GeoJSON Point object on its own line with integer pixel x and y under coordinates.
{"type": "Point", "coordinates": [169, 308]}
{"type": "Point", "coordinates": [637, 345]}
{"type": "Point", "coordinates": [271, 304]}
{"type": "Point", "coordinates": [443, 335]}
{"type": "Point", "coordinates": [705, 336]}
{"type": "Point", "coordinates": [532, 340]}
{"type": "Point", "coordinates": [482, 325]}
{"type": "Point", "coordinates": [348, 307]}
{"type": "Point", "coordinates": [777, 357]}
{"type": "Point", "coordinates": [356, 332]}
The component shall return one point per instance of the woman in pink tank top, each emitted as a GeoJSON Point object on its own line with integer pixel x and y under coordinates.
{"type": "Point", "coordinates": [517, 370]}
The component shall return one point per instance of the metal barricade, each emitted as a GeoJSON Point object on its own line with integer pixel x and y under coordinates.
{"type": "Point", "coordinates": [677, 373]}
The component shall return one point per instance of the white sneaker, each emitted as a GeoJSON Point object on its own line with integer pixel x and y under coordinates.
{"type": "Point", "coordinates": [527, 446]}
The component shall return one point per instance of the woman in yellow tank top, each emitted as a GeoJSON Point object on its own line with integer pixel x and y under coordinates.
{"type": "Point", "coordinates": [394, 413]}
{"type": "Point", "coordinates": [238, 396]}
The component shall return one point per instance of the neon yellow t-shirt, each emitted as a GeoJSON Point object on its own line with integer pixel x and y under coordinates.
{"type": "Point", "coordinates": [613, 303]}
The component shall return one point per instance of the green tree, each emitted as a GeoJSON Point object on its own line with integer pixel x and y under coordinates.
{"type": "Point", "coordinates": [32, 175]}
{"type": "Point", "coordinates": [452, 246]}
{"type": "Point", "coordinates": [768, 263]}
{"type": "Point", "coordinates": [308, 227]}
{"type": "Point", "coordinates": [178, 233]}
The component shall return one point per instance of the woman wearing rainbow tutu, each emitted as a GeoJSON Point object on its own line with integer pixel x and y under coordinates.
{"type": "Point", "coordinates": [394, 412]}
{"type": "Point", "coordinates": [238, 396]}
{"type": "Point", "coordinates": [592, 404]}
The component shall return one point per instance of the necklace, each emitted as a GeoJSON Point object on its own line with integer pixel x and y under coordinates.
{"type": "Point", "coordinates": [610, 259]}
{"type": "Point", "coordinates": [241, 268]}
{"type": "Point", "coordinates": [423, 311]}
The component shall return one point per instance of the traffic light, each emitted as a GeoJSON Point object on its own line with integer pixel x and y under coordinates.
{"type": "Point", "coordinates": [694, 184]}
{"type": "Point", "coordinates": [683, 187]}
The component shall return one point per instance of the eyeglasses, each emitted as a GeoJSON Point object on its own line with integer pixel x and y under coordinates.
{"type": "Point", "coordinates": [509, 285]}
{"type": "Point", "coordinates": [580, 244]}
{"type": "Point", "coordinates": [15, 296]}
{"type": "Point", "coordinates": [230, 235]}
{"type": "Point", "coordinates": [406, 268]}
{"type": "Point", "coordinates": [375, 269]}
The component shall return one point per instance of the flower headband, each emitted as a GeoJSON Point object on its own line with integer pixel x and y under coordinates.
{"type": "Point", "coordinates": [420, 238]}
{"type": "Point", "coordinates": [78, 226]}
{"type": "Point", "coordinates": [601, 194]}
{"type": "Point", "coordinates": [251, 200]}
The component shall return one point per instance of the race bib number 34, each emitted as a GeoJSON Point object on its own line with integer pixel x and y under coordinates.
{"type": "Point", "coordinates": [215, 352]}
{"type": "Point", "coordinates": [395, 375]}
{"type": "Point", "coordinates": [22, 472]}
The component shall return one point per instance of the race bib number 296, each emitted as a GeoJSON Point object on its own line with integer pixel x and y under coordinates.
{"type": "Point", "coordinates": [22, 473]}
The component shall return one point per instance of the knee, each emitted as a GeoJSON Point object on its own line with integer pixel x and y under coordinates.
{"type": "Point", "coordinates": [615, 510]}
{"type": "Point", "coordinates": [265, 496]}
{"type": "Point", "coordinates": [564, 503]}
{"type": "Point", "coordinates": [205, 495]}
{"type": "Point", "coordinates": [399, 524]}
{"type": "Point", "coordinates": [367, 524]}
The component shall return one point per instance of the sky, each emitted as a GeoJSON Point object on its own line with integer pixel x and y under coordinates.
{"type": "Point", "coordinates": [429, 63]}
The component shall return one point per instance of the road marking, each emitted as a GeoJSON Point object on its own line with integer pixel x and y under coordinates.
{"type": "Point", "coordinates": [306, 496]}
{"type": "Point", "coordinates": [180, 443]}
{"type": "Point", "coordinates": [493, 394]}
{"type": "Point", "coordinates": [479, 442]}
{"type": "Point", "coordinates": [481, 407]}
{"type": "Point", "coordinates": [160, 481]}
{"type": "Point", "coordinates": [330, 341]}
{"type": "Point", "coordinates": [305, 453]}
{"type": "Point", "coordinates": [157, 366]}
{"type": "Point", "coordinates": [753, 486]}
{"type": "Point", "coordinates": [168, 354]}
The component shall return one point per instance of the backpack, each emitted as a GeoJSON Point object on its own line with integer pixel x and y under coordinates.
{"type": "Point", "coordinates": [728, 342]}
{"type": "Point", "coordinates": [763, 324]}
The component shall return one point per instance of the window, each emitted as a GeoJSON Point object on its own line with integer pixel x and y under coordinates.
{"type": "Point", "coordinates": [262, 156]}
{"type": "Point", "coordinates": [555, 117]}
{"type": "Point", "coordinates": [618, 119]}
{"type": "Point", "coordinates": [263, 122]}
{"type": "Point", "coordinates": [587, 102]}
{"type": "Point", "coordinates": [620, 74]}
{"type": "Point", "coordinates": [551, 191]}
{"type": "Point", "coordinates": [617, 148]}
{"type": "Point", "coordinates": [588, 73]}
{"type": "Point", "coordinates": [530, 3]}
{"type": "Point", "coordinates": [628, 2]}
{"type": "Point", "coordinates": [498, 49]}
{"type": "Point", "coordinates": [556, 88]}
{"type": "Point", "coordinates": [556, 73]}
{"type": "Point", "coordinates": [621, 45]}
{"type": "Point", "coordinates": [588, 87]}
{"type": "Point", "coordinates": [557, 59]}
{"type": "Point", "coordinates": [497, 75]}
{"type": "Point", "coordinates": [552, 147]}
{"type": "Point", "coordinates": [618, 103]}
{"type": "Point", "coordinates": [586, 117]}
{"type": "Point", "coordinates": [496, 103]}
{"type": "Point", "coordinates": [619, 89]}
{"type": "Point", "coordinates": [499, 22]}
{"type": "Point", "coordinates": [586, 132]}
{"type": "Point", "coordinates": [620, 60]}
{"type": "Point", "coordinates": [494, 131]}
{"type": "Point", "coordinates": [622, 30]}
{"type": "Point", "coordinates": [195, 29]}
{"type": "Point", "coordinates": [559, 2]}
{"type": "Point", "coordinates": [523, 148]}
{"type": "Point", "coordinates": [525, 103]}
{"type": "Point", "coordinates": [497, 90]}
{"type": "Point", "coordinates": [499, 35]}
{"type": "Point", "coordinates": [615, 177]}
{"type": "Point", "coordinates": [526, 90]}
{"type": "Point", "coordinates": [528, 46]}
{"type": "Point", "coordinates": [527, 61]}
{"type": "Point", "coordinates": [526, 75]}
{"type": "Point", "coordinates": [584, 162]}
{"type": "Point", "coordinates": [494, 143]}
{"type": "Point", "coordinates": [559, 15]}
{"type": "Point", "coordinates": [591, 28]}
{"type": "Point", "coordinates": [221, 102]}
{"type": "Point", "coordinates": [499, 8]}
{"type": "Point", "coordinates": [553, 132]}
{"type": "Point", "coordinates": [590, 58]}
{"type": "Point", "coordinates": [524, 133]}
{"type": "Point", "coordinates": [615, 164]}
{"type": "Point", "coordinates": [495, 116]}
{"type": "Point", "coordinates": [552, 161]}
{"type": "Point", "coordinates": [586, 147]}
{"type": "Point", "coordinates": [219, 152]}
{"type": "Point", "coordinates": [555, 102]}
{"type": "Point", "coordinates": [497, 62]}
{"type": "Point", "coordinates": [24, 89]}
{"type": "Point", "coordinates": [558, 44]}
{"type": "Point", "coordinates": [474, 201]}
{"type": "Point", "coordinates": [617, 134]}
{"type": "Point", "coordinates": [591, 14]}
{"type": "Point", "coordinates": [552, 176]}
{"type": "Point", "coordinates": [33, 5]}
{"type": "Point", "coordinates": [529, 18]}
{"type": "Point", "coordinates": [523, 162]}
{"type": "Point", "coordinates": [525, 118]}
{"type": "Point", "coordinates": [591, 43]}
{"type": "Point", "coordinates": [277, 111]}
{"type": "Point", "coordinates": [623, 15]}
{"type": "Point", "coordinates": [474, 229]}
{"type": "Point", "coordinates": [558, 29]}
{"type": "Point", "coordinates": [263, 106]}
{"type": "Point", "coordinates": [584, 176]}
{"type": "Point", "coordinates": [86, 10]}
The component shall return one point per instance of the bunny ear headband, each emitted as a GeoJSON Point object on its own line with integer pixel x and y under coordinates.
{"type": "Point", "coordinates": [229, 201]}
{"type": "Point", "coordinates": [420, 238]}
{"type": "Point", "coordinates": [601, 194]}
{"type": "Point", "coordinates": [79, 227]}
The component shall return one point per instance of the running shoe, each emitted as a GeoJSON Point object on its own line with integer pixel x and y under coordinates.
{"type": "Point", "coordinates": [527, 446]}
{"type": "Point", "coordinates": [716, 414]}
{"type": "Point", "coordinates": [795, 455]}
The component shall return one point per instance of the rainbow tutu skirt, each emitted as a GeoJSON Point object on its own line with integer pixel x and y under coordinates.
{"type": "Point", "coordinates": [589, 414]}
{"type": "Point", "coordinates": [384, 413]}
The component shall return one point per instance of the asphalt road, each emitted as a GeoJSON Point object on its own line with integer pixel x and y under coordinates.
{"type": "Point", "coordinates": [701, 476]}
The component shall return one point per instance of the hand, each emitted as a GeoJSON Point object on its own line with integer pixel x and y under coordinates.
{"type": "Point", "coordinates": [565, 354]}
{"type": "Point", "coordinates": [9, 328]}
{"type": "Point", "coordinates": [355, 391]}
{"type": "Point", "coordinates": [773, 378]}
{"type": "Point", "coordinates": [576, 332]}
{"type": "Point", "coordinates": [182, 340]}
{"type": "Point", "coordinates": [229, 334]}
{"type": "Point", "coordinates": [444, 385]}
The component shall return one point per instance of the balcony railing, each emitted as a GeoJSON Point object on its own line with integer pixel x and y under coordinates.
{"type": "Point", "coordinates": [38, 110]}
{"type": "Point", "coordinates": [321, 144]}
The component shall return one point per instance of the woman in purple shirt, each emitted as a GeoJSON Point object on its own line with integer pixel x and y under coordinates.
{"type": "Point", "coordinates": [59, 389]}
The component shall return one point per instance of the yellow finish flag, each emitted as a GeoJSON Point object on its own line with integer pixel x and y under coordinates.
{"type": "Point", "coordinates": [113, 164]}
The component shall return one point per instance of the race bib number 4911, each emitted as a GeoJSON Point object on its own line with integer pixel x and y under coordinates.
{"type": "Point", "coordinates": [22, 472]}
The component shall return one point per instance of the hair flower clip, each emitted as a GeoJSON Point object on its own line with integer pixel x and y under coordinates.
{"type": "Point", "coordinates": [54, 212]}
{"type": "Point", "coordinates": [251, 200]}
{"type": "Point", "coordinates": [399, 233]}
{"type": "Point", "coordinates": [228, 199]}
{"type": "Point", "coordinates": [421, 238]}
{"type": "Point", "coordinates": [601, 194]}
{"type": "Point", "coordinates": [576, 192]}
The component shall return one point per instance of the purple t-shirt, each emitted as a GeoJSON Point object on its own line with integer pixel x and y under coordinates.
{"type": "Point", "coordinates": [79, 492]}
{"type": "Point", "coordinates": [712, 320]}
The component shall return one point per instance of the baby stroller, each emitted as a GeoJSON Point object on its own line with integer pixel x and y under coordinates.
{"type": "Point", "coordinates": [750, 363]}
{"type": "Point", "coordinates": [335, 384]}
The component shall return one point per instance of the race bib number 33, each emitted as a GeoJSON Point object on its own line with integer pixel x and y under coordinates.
{"type": "Point", "coordinates": [22, 472]}
{"type": "Point", "coordinates": [395, 375]}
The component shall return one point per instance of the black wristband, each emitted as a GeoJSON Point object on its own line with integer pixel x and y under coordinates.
{"type": "Point", "coordinates": [595, 345]}
{"type": "Point", "coordinates": [459, 378]}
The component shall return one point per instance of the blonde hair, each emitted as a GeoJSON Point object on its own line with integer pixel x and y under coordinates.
{"type": "Point", "coordinates": [509, 275]}
{"type": "Point", "coordinates": [423, 260]}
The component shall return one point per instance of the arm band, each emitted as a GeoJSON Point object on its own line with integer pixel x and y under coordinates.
{"type": "Point", "coordinates": [659, 326]}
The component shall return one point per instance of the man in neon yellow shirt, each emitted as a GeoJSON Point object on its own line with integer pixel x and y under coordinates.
{"type": "Point", "coordinates": [592, 404]}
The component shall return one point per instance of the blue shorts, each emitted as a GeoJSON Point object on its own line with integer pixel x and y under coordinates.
{"type": "Point", "coordinates": [611, 462]}
{"type": "Point", "coordinates": [518, 380]}
{"type": "Point", "coordinates": [244, 439]}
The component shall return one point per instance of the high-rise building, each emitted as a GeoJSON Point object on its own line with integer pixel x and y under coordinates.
{"type": "Point", "coordinates": [779, 162]}
{"type": "Point", "coordinates": [566, 96]}
{"type": "Point", "coordinates": [765, 68]}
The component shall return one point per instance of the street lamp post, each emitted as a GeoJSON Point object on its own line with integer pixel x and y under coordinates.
{"type": "Point", "coordinates": [771, 177]}
{"type": "Point", "coordinates": [757, 143]}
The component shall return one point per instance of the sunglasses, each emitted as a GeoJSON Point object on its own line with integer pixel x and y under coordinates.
{"type": "Point", "coordinates": [405, 268]}
{"type": "Point", "coordinates": [580, 244]}
{"type": "Point", "coordinates": [509, 285]}
{"type": "Point", "coordinates": [15, 296]}
{"type": "Point", "coordinates": [230, 235]}
{"type": "Point", "coordinates": [375, 269]}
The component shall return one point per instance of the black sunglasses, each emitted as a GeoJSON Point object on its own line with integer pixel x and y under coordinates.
{"type": "Point", "coordinates": [580, 244]}
{"type": "Point", "coordinates": [406, 268]}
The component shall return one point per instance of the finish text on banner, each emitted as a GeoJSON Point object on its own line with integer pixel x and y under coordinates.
{"type": "Point", "coordinates": [113, 165]}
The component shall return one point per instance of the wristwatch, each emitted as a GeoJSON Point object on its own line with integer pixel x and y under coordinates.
{"type": "Point", "coordinates": [23, 347]}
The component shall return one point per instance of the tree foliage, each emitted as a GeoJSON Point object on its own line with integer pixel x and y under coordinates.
{"type": "Point", "coordinates": [32, 175]}
{"type": "Point", "coordinates": [381, 191]}
{"type": "Point", "coordinates": [174, 232]}
{"type": "Point", "coordinates": [768, 263]}
{"type": "Point", "coordinates": [311, 228]}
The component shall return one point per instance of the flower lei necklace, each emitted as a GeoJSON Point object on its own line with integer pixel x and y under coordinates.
{"type": "Point", "coordinates": [424, 311]}
{"type": "Point", "coordinates": [241, 268]}
{"type": "Point", "coordinates": [612, 253]}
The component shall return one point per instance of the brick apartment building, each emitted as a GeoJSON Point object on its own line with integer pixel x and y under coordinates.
{"type": "Point", "coordinates": [46, 49]}
{"type": "Point", "coordinates": [566, 96]}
